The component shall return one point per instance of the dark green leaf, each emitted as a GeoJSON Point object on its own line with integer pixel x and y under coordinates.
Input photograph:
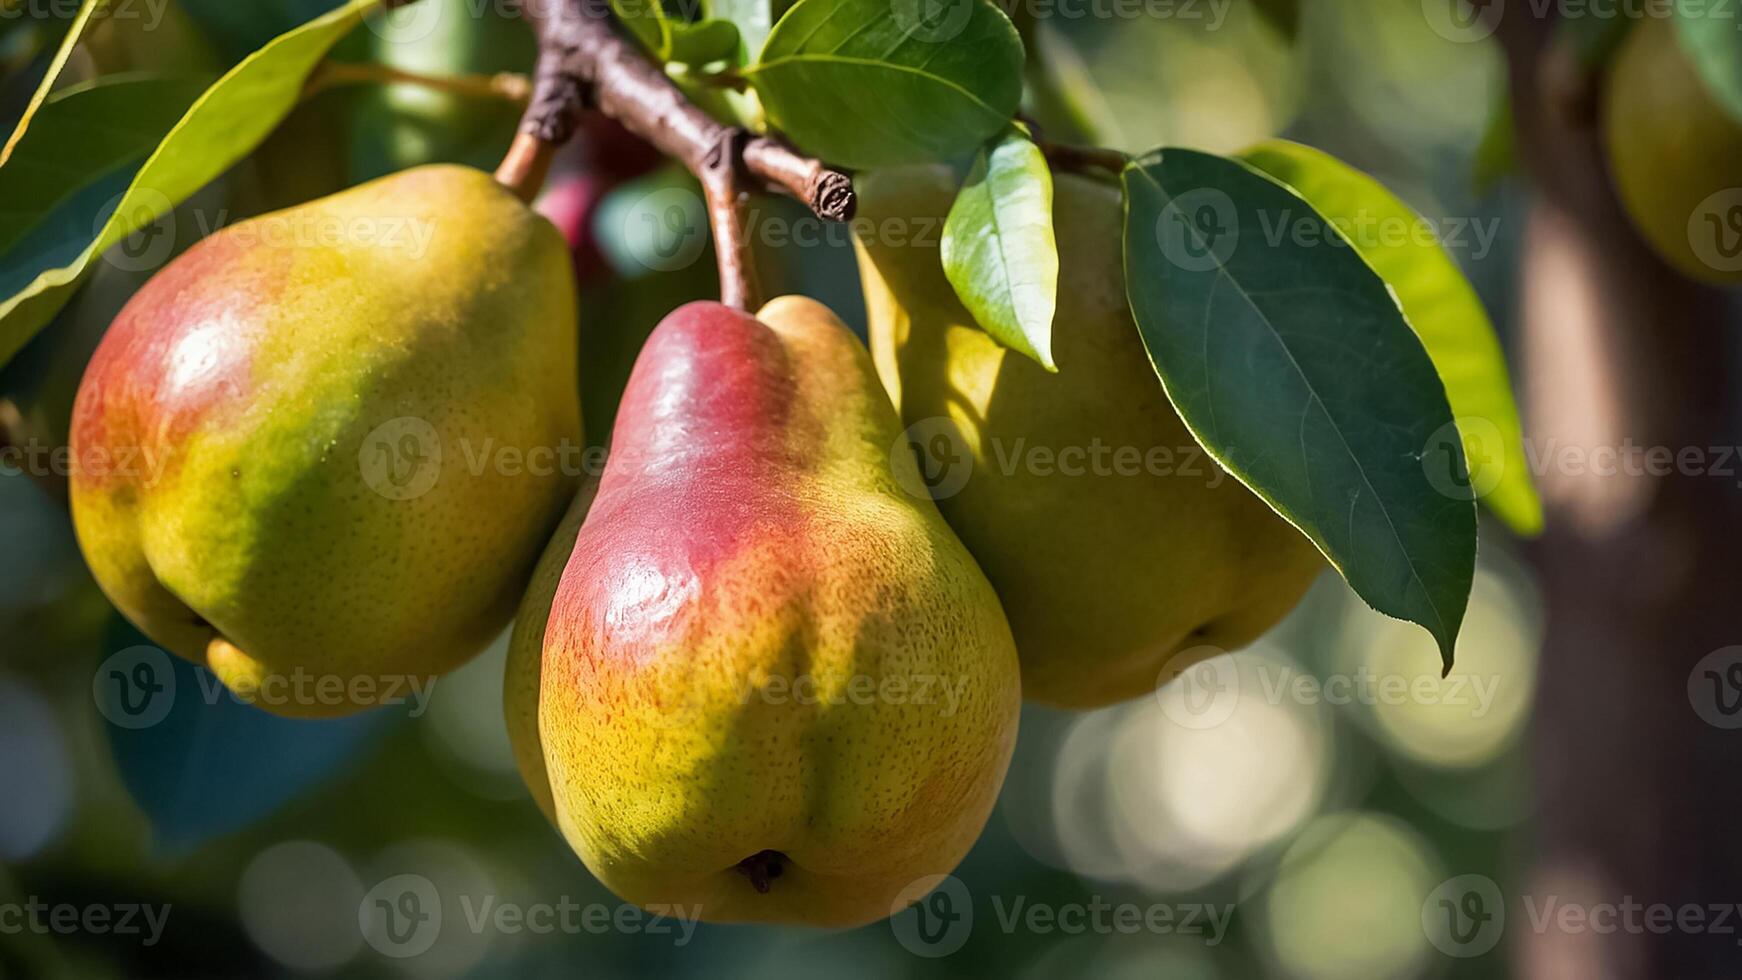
{"type": "Point", "coordinates": [86, 11]}
{"type": "Point", "coordinates": [864, 83]}
{"type": "Point", "coordinates": [1442, 307]}
{"type": "Point", "coordinates": [1292, 364]}
{"type": "Point", "coordinates": [998, 247]}
{"type": "Point", "coordinates": [82, 134]}
{"type": "Point", "coordinates": [238, 29]}
{"type": "Point", "coordinates": [229, 120]}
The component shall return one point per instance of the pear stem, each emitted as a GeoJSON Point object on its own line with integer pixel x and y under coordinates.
{"type": "Point", "coordinates": [584, 62]}
{"type": "Point", "coordinates": [723, 187]}
{"type": "Point", "coordinates": [508, 86]}
{"type": "Point", "coordinates": [526, 165]}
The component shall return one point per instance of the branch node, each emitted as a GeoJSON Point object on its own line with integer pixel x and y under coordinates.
{"type": "Point", "coordinates": [584, 62]}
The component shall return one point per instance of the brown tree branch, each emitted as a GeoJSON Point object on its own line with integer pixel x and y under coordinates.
{"type": "Point", "coordinates": [584, 62]}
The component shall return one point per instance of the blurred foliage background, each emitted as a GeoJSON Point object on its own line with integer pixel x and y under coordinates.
{"type": "Point", "coordinates": [1324, 825]}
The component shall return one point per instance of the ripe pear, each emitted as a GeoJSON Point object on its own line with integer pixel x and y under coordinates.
{"type": "Point", "coordinates": [1122, 553]}
{"type": "Point", "coordinates": [1675, 155]}
{"type": "Point", "coordinates": [319, 452]}
{"type": "Point", "coordinates": [759, 679]}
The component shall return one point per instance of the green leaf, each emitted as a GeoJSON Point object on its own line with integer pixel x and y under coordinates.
{"type": "Point", "coordinates": [1284, 15]}
{"type": "Point", "coordinates": [1439, 303]}
{"type": "Point", "coordinates": [702, 43]}
{"type": "Point", "coordinates": [871, 83]}
{"type": "Point", "coordinates": [82, 134]}
{"type": "Point", "coordinates": [1714, 45]}
{"type": "Point", "coordinates": [59, 62]}
{"type": "Point", "coordinates": [223, 126]}
{"type": "Point", "coordinates": [647, 21]}
{"type": "Point", "coordinates": [753, 18]}
{"type": "Point", "coordinates": [1289, 360]}
{"type": "Point", "coordinates": [998, 247]}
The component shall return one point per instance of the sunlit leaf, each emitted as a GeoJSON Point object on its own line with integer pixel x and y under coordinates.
{"type": "Point", "coordinates": [868, 83]}
{"type": "Point", "coordinates": [1442, 307]}
{"type": "Point", "coordinates": [224, 125]}
{"type": "Point", "coordinates": [998, 248]}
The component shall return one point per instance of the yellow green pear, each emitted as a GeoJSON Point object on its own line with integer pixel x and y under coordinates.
{"type": "Point", "coordinates": [759, 679]}
{"type": "Point", "coordinates": [1119, 548]}
{"type": "Point", "coordinates": [1675, 155]}
{"type": "Point", "coordinates": [320, 452]}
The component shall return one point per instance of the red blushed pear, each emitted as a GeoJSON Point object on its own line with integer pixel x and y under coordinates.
{"type": "Point", "coordinates": [304, 451]}
{"type": "Point", "coordinates": [760, 676]}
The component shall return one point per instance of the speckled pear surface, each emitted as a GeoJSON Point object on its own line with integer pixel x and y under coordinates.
{"type": "Point", "coordinates": [315, 452]}
{"type": "Point", "coordinates": [768, 684]}
{"type": "Point", "coordinates": [1114, 542]}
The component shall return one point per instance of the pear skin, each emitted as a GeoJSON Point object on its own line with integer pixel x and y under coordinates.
{"type": "Point", "coordinates": [1674, 153]}
{"type": "Point", "coordinates": [316, 452]}
{"type": "Point", "coordinates": [772, 686]}
{"type": "Point", "coordinates": [1122, 552]}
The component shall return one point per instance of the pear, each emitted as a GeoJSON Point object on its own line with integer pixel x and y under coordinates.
{"type": "Point", "coordinates": [320, 451]}
{"type": "Point", "coordinates": [759, 680]}
{"type": "Point", "coordinates": [1674, 152]}
{"type": "Point", "coordinates": [1122, 553]}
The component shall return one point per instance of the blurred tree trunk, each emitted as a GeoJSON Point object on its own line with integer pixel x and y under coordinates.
{"type": "Point", "coordinates": [1638, 797]}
